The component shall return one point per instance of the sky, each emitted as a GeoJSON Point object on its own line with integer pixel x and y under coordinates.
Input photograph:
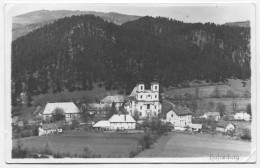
{"type": "Point", "coordinates": [217, 13]}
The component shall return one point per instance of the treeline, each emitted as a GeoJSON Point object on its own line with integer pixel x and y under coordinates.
{"type": "Point", "coordinates": [77, 52]}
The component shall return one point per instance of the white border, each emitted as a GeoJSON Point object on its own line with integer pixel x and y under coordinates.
{"type": "Point", "coordinates": [7, 99]}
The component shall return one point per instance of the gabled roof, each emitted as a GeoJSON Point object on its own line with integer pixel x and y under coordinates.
{"type": "Point", "coordinates": [134, 92]}
{"type": "Point", "coordinates": [181, 111]}
{"type": "Point", "coordinates": [68, 107]}
{"type": "Point", "coordinates": [121, 118]}
{"type": "Point", "coordinates": [166, 107]}
{"type": "Point", "coordinates": [212, 113]}
{"type": "Point", "coordinates": [114, 98]}
{"type": "Point", "coordinates": [223, 123]}
{"type": "Point", "coordinates": [102, 124]}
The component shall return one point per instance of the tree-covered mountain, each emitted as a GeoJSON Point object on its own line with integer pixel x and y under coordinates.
{"type": "Point", "coordinates": [75, 52]}
{"type": "Point", "coordinates": [25, 23]}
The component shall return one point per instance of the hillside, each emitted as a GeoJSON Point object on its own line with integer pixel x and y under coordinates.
{"type": "Point", "coordinates": [74, 53]}
{"type": "Point", "coordinates": [25, 23]}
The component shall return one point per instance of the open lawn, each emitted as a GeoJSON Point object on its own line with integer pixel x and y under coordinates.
{"type": "Point", "coordinates": [198, 145]}
{"type": "Point", "coordinates": [107, 145]}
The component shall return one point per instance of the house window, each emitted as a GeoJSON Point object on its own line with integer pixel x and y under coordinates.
{"type": "Point", "coordinates": [154, 107]}
{"type": "Point", "coordinates": [155, 96]}
{"type": "Point", "coordinates": [172, 115]}
{"type": "Point", "coordinates": [140, 107]}
{"type": "Point", "coordinates": [140, 114]}
{"type": "Point", "coordinates": [141, 87]}
{"type": "Point", "coordinates": [148, 95]}
{"type": "Point", "coordinates": [148, 106]}
{"type": "Point", "coordinates": [141, 96]}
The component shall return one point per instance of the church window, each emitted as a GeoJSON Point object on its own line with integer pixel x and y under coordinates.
{"type": "Point", "coordinates": [141, 87]}
{"type": "Point", "coordinates": [140, 107]}
{"type": "Point", "coordinates": [148, 106]}
{"type": "Point", "coordinates": [154, 107]}
{"type": "Point", "coordinates": [155, 87]}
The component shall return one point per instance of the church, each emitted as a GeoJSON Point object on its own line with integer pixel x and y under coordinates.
{"type": "Point", "coordinates": [144, 102]}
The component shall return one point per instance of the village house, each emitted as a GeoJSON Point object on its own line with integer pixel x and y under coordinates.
{"type": "Point", "coordinates": [122, 122]}
{"type": "Point", "coordinates": [119, 100]}
{"type": "Point", "coordinates": [71, 111]}
{"type": "Point", "coordinates": [242, 116]}
{"type": "Point", "coordinates": [179, 117]}
{"type": "Point", "coordinates": [145, 102]}
{"type": "Point", "coordinates": [211, 115]}
{"type": "Point", "coordinates": [103, 124]}
{"type": "Point", "coordinates": [225, 126]}
{"type": "Point", "coordinates": [47, 129]}
{"type": "Point", "coordinates": [195, 127]}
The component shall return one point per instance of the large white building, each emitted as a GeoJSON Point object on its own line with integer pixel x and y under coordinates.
{"type": "Point", "coordinates": [145, 102]}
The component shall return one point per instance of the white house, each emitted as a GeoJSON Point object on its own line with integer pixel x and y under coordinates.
{"type": "Point", "coordinates": [178, 116]}
{"type": "Point", "coordinates": [70, 109]}
{"type": "Point", "coordinates": [225, 126]}
{"type": "Point", "coordinates": [242, 116]}
{"type": "Point", "coordinates": [122, 122]}
{"type": "Point", "coordinates": [212, 115]}
{"type": "Point", "coordinates": [145, 102]}
{"type": "Point", "coordinates": [195, 127]}
{"type": "Point", "coordinates": [116, 98]}
{"type": "Point", "coordinates": [46, 129]}
{"type": "Point", "coordinates": [103, 124]}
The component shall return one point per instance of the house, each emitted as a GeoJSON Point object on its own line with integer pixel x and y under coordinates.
{"type": "Point", "coordinates": [179, 117]}
{"type": "Point", "coordinates": [122, 122]}
{"type": "Point", "coordinates": [116, 98]}
{"type": "Point", "coordinates": [225, 126]}
{"type": "Point", "coordinates": [242, 116]}
{"type": "Point", "coordinates": [46, 129]}
{"type": "Point", "coordinates": [71, 111]}
{"type": "Point", "coordinates": [195, 127]}
{"type": "Point", "coordinates": [103, 124]}
{"type": "Point", "coordinates": [144, 101]}
{"type": "Point", "coordinates": [211, 115]}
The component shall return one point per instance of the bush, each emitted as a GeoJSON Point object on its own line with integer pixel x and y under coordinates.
{"type": "Point", "coordinates": [133, 153]}
{"type": "Point", "coordinates": [246, 134]}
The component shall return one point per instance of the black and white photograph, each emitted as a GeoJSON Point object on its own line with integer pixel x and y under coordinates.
{"type": "Point", "coordinates": [131, 83]}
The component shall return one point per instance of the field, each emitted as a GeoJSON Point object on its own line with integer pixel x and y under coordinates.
{"type": "Point", "coordinates": [107, 145]}
{"type": "Point", "coordinates": [198, 145]}
{"type": "Point", "coordinates": [69, 96]}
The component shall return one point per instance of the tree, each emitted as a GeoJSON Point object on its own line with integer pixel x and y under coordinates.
{"type": "Point", "coordinates": [197, 92]}
{"type": "Point", "coordinates": [216, 92]}
{"type": "Point", "coordinates": [136, 115]}
{"type": "Point", "coordinates": [113, 109]}
{"type": "Point", "coordinates": [193, 106]}
{"type": "Point", "coordinates": [248, 109]}
{"type": "Point", "coordinates": [234, 106]}
{"type": "Point", "coordinates": [221, 108]}
{"type": "Point", "coordinates": [211, 105]}
{"type": "Point", "coordinates": [74, 123]}
{"type": "Point", "coordinates": [58, 114]}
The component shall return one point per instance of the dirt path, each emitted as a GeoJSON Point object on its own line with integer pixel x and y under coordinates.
{"type": "Point", "coordinates": [186, 145]}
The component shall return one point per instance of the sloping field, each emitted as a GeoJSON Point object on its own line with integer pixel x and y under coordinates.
{"type": "Point", "coordinates": [69, 96]}
{"type": "Point", "coordinates": [198, 145]}
{"type": "Point", "coordinates": [107, 145]}
{"type": "Point", "coordinates": [235, 85]}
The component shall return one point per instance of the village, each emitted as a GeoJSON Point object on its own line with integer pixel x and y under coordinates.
{"type": "Point", "coordinates": [142, 112]}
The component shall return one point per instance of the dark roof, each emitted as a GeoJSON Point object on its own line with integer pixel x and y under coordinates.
{"type": "Point", "coordinates": [180, 111]}
{"type": "Point", "coordinates": [223, 124]}
{"type": "Point", "coordinates": [166, 107]}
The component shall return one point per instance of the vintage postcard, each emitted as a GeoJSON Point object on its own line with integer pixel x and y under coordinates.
{"type": "Point", "coordinates": [130, 83]}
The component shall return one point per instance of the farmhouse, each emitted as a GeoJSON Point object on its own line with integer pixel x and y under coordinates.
{"type": "Point", "coordinates": [242, 116]}
{"type": "Point", "coordinates": [70, 109]}
{"type": "Point", "coordinates": [211, 115]}
{"type": "Point", "coordinates": [103, 124]}
{"type": "Point", "coordinates": [178, 116]}
{"type": "Point", "coordinates": [116, 98]}
{"type": "Point", "coordinates": [195, 127]}
{"type": "Point", "coordinates": [46, 129]}
{"type": "Point", "coordinates": [145, 102]}
{"type": "Point", "coordinates": [122, 122]}
{"type": "Point", "coordinates": [225, 126]}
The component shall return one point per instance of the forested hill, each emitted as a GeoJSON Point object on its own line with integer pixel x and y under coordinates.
{"type": "Point", "coordinates": [76, 52]}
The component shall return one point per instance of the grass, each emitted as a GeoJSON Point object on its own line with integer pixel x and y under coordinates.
{"type": "Point", "coordinates": [107, 145]}
{"type": "Point", "coordinates": [198, 145]}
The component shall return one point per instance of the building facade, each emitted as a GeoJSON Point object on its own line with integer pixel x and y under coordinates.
{"type": "Point", "coordinates": [144, 102]}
